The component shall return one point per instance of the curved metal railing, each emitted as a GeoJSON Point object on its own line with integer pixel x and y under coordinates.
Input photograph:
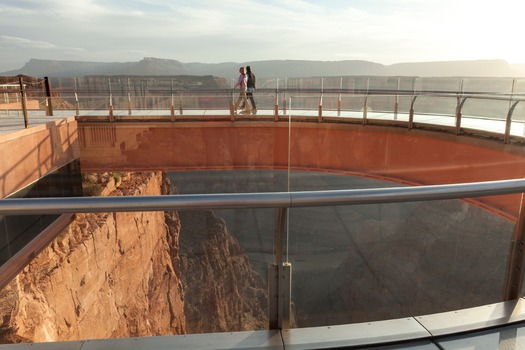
{"type": "Point", "coordinates": [38, 206]}
{"type": "Point", "coordinates": [279, 200]}
{"type": "Point", "coordinates": [492, 106]}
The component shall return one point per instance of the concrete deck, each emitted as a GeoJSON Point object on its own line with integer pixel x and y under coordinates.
{"type": "Point", "coordinates": [13, 121]}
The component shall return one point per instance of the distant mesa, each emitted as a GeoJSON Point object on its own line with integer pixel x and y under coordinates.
{"type": "Point", "coordinates": [151, 66]}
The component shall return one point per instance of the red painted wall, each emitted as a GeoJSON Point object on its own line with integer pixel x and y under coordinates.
{"type": "Point", "coordinates": [416, 157]}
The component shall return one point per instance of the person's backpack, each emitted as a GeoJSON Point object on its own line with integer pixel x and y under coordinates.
{"type": "Point", "coordinates": [251, 80]}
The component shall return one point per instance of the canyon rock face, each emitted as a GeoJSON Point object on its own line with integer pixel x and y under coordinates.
{"type": "Point", "coordinates": [112, 275]}
{"type": "Point", "coordinates": [218, 278]}
{"type": "Point", "coordinates": [107, 275]}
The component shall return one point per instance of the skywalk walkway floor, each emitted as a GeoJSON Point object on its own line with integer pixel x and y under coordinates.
{"type": "Point", "coordinates": [11, 121]}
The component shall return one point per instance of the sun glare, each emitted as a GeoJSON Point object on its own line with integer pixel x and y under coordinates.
{"type": "Point", "coordinates": [493, 30]}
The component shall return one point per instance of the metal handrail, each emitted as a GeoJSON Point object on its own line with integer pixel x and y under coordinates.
{"type": "Point", "coordinates": [24, 206]}
{"type": "Point", "coordinates": [316, 92]}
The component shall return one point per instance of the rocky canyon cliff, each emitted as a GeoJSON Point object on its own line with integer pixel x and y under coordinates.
{"type": "Point", "coordinates": [134, 274]}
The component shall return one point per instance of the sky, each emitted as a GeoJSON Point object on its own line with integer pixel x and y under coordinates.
{"type": "Point", "coordinates": [215, 31]}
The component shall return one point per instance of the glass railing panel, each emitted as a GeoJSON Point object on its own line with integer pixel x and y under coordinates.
{"type": "Point", "coordinates": [376, 83]}
{"type": "Point", "coordinates": [407, 84]}
{"type": "Point", "coordinates": [20, 230]}
{"type": "Point", "coordinates": [357, 83]}
{"type": "Point", "coordinates": [352, 106]}
{"type": "Point", "coordinates": [93, 105]}
{"type": "Point", "coordinates": [33, 110]}
{"type": "Point", "coordinates": [488, 85]}
{"type": "Point", "coordinates": [63, 105]}
{"type": "Point", "coordinates": [63, 84]}
{"type": "Point", "coordinates": [5, 253]}
{"type": "Point", "coordinates": [386, 83]}
{"type": "Point", "coordinates": [484, 114]}
{"type": "Point", "coordinates": [17, 231]}
{"type": "Point", "coordinates": [238, 244]}
{"type": "Point", "coordinates": [331, 83]}
{"type": "Point", "coordinates": [150, 105]}
{"type": "Point", "coordinates": [437, 84]}
{"type": "Point", "coordinates": [400, 259]}
{"type": "Point", "coordinates": [435, 104]}
{"type": "Point", "coordinates": [314, 83]}
{"type": "Point", "coordinates": [264, 83]}
{"type": "Point", "coordinates": [519, 86]}
{"type": "Point", "coordinates": [158, 104]}
{"type": "Point", "coordinates": [265, 102]}
{"type": "Point", "coordinates": [205, 103]}
{"type": "Point", "coordinates": [404, 103]}
{"type": "Point", "coordinates": [304, 105]}
{"type": "Point", "coordinates": [224, 267]}
{"type": "Point", "coordinates": [221, 257]}
{"type": "Point", "coordinates": [34, 105]}
{"type": "Point", "coordinates": [120, 105]}
{"type": "Point", "coordinates": [381, 107]}
{"type": "Point", "coordinates": [518, 114]}
{"type": "Point", "coordinates": [435, 110]}
{"type": "Point", "coordinates": [374, 262]}
{"type": "Point", "coordinates": [332, 105]}
{"type": "Point", "coordinates": [518, 119]}
{"type": "Point", "coordinates": [143, 86]}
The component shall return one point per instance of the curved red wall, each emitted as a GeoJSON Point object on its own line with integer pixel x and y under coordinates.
{"type": "Point", "coordinates": [396, 154]}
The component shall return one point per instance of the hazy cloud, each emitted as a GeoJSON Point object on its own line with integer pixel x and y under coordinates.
{"type": "Point", "coordinates": [383, 31]}
{"type": "Point", "coordinates": [26, 43]}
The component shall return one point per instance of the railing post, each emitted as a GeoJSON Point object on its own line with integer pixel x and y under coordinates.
{"type": "Point", "coordinates": [339, 100]}
{"type": "Point", "coordinates": [276, 106]}
{"type": "Point", "coordinates": [320, 110]}
{"type": "Point", "coordinates": [129, 103]}
{"type": "Point", "coordinates": [396, 107]}
{"type": "Point", "coordinates": [411, 113]}
{"type": "Point", "coordinates": [396, 101]}
{"type": "Point", "coordinates": [77, 104]}
{"type": "Point", "coordinates": [23, 100]}
{"type": "Point", "coordinates": [517, 257]}
{"type": "Point", "coordinates": [279, 280]}
{"type": "Point", "coordinates": [339, 105]}
{"type": "Point", "coordinates": [180, 104]}
{"type": "Point", "coordinates": [111, 108]}
{"type": "Point", "coordinates": [49, 104]}
{"type": "Point", "coordinates": [365, 110]}
{"type": "Point", "coordinates": [172, 108]}
{"type": "Point", "coordinates": [508, 122]}
{"type": "Point", "coordinates": [232, 106]}
{"type": "Point", "coordinates": [129, 97]}
{"type": "Point", "coordinates": [110, 101]}
{"type": "Point", "coordinates": [458, 116]}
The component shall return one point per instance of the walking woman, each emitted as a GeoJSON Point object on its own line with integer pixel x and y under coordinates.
{"type": "Point", "coordinates": [242, 83]}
